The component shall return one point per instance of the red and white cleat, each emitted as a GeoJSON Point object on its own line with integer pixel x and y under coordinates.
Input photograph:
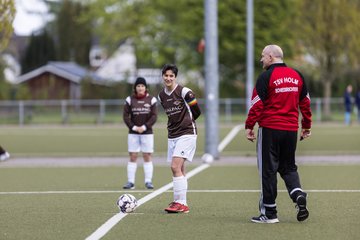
{"type": "Point", "coordinates": [176, 207]}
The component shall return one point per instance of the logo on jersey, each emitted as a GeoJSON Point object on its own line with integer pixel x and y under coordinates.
{"type": "Point", "coordinates": [173, 110]}
{"type": "Point", "coordinates": [177, 102]}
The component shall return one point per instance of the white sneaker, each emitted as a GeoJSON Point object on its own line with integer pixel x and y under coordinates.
{"type": "Point", "coordinates": [264, 219]}
{"type": "Point", "coordinates": [4, 156]}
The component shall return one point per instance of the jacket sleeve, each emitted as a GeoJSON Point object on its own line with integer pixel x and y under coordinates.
{"type": "Point", "coordinates": [193, 104]}
{"type": "Point", "coordinates": [127, 113]}
{"type": "Point", "coordinates": [153, 113]}
{"type": "Point", "coordinates": [304, 105]}
{"type": "Point", "coordinates": [255, 110]}
{"type": "Point", "coordinates": [259, 95]}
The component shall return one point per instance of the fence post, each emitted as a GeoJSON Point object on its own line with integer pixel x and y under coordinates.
{"type": "Point", "coordinates": [21, 113]}
{"type": "Point", "coordinates": [318, 110]}
{"type": "Point", "coordinates": [64, 111]}
{"type": "Point", "coordinates": [101, 111]}
{"type": "Point", "coordinates": [228, 110]}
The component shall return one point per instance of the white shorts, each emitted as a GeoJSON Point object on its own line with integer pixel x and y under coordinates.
{"type": "Point", "coordinates": [184, 147]}
{"type": "Point", "coordinates": [141, 143]}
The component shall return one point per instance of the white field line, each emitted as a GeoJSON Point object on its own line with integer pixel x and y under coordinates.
{"type": "Point", "coordinates": [106, 227]}
{"type": "Point", "coordinates": [229, 137]}
{"type": "Point", "coordinates": [283, 191]}
{"type": "Point", "coordinates": [190, 191]}
{"type": "Point", "coordinates": [74, 192]}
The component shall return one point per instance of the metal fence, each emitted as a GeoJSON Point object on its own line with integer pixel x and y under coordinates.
{"type": "Point", "coordinates": [231, 110]}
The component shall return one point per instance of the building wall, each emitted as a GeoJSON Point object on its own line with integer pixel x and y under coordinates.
{"type": "Point", "coordinates": [49, 86]}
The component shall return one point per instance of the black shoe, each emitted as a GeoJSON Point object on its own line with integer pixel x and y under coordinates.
{"type": "Point", "coordinates": [129, 185]}
{"type": "Point", "coordinates": [265, 219]}
{"type": "Point", "coordinates": [302, 212]}
{"type": "Point", "coordinates": [149, 185]}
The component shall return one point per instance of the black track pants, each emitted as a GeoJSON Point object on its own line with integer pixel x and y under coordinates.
{"type": "Point", "coordinates": [276, 154]}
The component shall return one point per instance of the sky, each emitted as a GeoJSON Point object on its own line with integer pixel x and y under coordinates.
{"type": "Point", "coordinates": [30, 16]}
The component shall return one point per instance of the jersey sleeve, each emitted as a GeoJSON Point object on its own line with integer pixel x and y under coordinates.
{"type": "Point", "coordinates": [127, 113]}
{"type": "Point", "coordinates": [191, 100]}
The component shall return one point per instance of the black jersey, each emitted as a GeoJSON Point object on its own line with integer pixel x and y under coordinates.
{"type": "Point", "coordinates": [182, 109]}
{"type": "Point", "coordinates": [140, 111]}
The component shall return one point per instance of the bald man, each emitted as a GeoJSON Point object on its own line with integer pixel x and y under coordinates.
{"type": "Point", "coordinates": [279, 93]}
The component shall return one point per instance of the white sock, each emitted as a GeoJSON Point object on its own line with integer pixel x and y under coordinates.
{"type": "Point", "coordinates": [180, 189]}
{"type": "Point", "coordinates": [148, 171]}
{"type": "Point", "coordinates": [131, 171]}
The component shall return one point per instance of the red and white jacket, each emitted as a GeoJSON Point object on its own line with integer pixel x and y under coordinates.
{"type": "Point", "coordinates": [279, 93]}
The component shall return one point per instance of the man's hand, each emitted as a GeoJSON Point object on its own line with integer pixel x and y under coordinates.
{"type": "Point", "coordinates": [250, 135]}
{"type": "Point", "coordinates": [305, 133]}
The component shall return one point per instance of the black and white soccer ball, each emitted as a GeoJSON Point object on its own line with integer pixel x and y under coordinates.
{"type": "Point", "coordinates": [126, 203]}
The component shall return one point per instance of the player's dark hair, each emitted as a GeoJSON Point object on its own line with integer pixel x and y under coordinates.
{"type": "Point", "coordinates": [171, 67]}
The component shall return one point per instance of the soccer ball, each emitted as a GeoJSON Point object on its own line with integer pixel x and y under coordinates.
{"type": "Point", "coordinates": [207, 158]}
{"type": "Point", "coordinates": [126, 203]}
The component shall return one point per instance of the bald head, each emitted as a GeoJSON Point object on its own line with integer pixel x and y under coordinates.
{"type": "Point", "coordinates": [270, 55]}
{"type": "Point", "coordinates": [275, 51]}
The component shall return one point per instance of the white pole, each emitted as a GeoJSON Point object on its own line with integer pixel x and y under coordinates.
{"type": "Point", "coordinates": [249, 52]}
{"type": "Point", "coordinates": [211, 79]}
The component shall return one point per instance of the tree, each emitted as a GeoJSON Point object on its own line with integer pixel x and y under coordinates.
{"type": "Point", "coordinates": [73, 34]}
{"type": "Point", "coordinates": [272, 23]}
{"type": "Point", "coordinates": [164, 32]}
{"type": "Point", "coordinates": [329, 31]}
{"type": "Point", "coordinates": [7, 15]}
{"type": "Point", "coordinates": [41, 49]}
{"type": "Point", "coordinates": [161, 32]}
